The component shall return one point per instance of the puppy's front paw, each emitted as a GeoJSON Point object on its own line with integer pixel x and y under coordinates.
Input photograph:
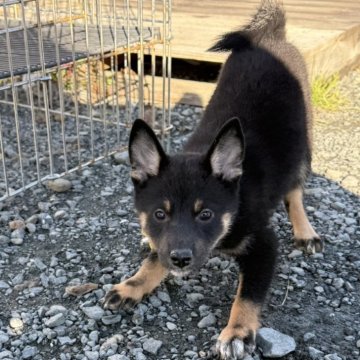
{"type": "Point", "coordinates": [123, 295]}
{"type": "Point", "coordinates": [234, 343]}
{"type": "Point", "coordinates": [310, 246]}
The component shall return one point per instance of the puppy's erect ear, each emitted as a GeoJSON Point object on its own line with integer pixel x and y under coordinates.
{"type": "Point", "coordinates": [226, 154]}
{"type": "Point", "coordinates": [145, 152]}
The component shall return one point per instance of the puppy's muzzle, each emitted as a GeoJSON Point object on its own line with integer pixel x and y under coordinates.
{"type": "Point", "coordinates": [181, 257]}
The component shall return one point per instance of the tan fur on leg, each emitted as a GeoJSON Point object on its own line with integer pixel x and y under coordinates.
{"type": "Point", "coordinates": [239, 334]}
{"type": "Point", "coordinates": [131, 291]}
{"type": "Point", "coordinates": [304, 234]}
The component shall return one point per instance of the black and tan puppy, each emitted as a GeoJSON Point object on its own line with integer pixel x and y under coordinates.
{"type": "Point", "coordinates": [251, 150]}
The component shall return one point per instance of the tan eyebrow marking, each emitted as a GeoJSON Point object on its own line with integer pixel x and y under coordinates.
{"type": "Point", "coordinates": [198, 205]}
{"type": "Point", "coordinates": [167, 206]}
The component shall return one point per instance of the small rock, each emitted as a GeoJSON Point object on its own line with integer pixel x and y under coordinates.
{"type": "Point", "coordinates": [33, 219]}
{"type": "Point", "coordinates": [155, 301]}
{"type": "Point", "coordinates": [152, 346]}
{"type": "Point", "coordinates": [190, 354]}
{"type": "Point", "coordinates": [29, 352]}
{"type": "Point", "coordinates": [140, 356]}
{"type": "Point", "coordinates": [195, 297]}
{"type": "Point", "coordinates": [137, 318]}
{"type": "Point", "coordinates": [121, 212]}
{"type": "Point", "coordinates": [118, 357]}
{"type": "Point", "coordinates": [274, 344]}
{"type": "Point", "coordinates": [79, 290]}
{"type": "Point", "coordinates": [163, 296]}
{"type": "Point", "coordinates": [93, 312]}
{"type": "Point", "coordinates": [191, 338]}
{"type": "Point", "coordinates": [4, 285]}
{"type": "Point", "coordinates": [171, 326]}
{"type": "Point", "coordinates": [94, 336]}
{"type": "Point", "coordinates": [56, 309]}
{"type": "Point", "coordinates": [111, 319]}
{"type": "Point", "coordinates": [4, 338]}
{"type": "Point", "coordinates": [315, 354]}
{"type": "Point", "coordinates": [66, 340]}
{"type": "Point", "coordinates": [31, 228]}
{"type": "Point", "coordinates": [60, 214]}
{"type": "Point", "coordinates": [295, 253]}
{"type": "Point", "coordinates": [55, 320]}
{"type": "Point", "coordinates": [4, 240]}
{"type": "Point", "coordinates": [6, 355]}
{"type": "Point", "coordinates": [18, 233]}
{"type": "Point", "coordinates": [248, 357]}
{"type": "Point", "coordinates": [43, 206]}
{"type": "Point", "coordinates": [59, 185]}
{"type": "Point", "coordinates": [39, 264]}
{"type": "Point", "coordinates": [16, 224]}
{"type": "Point", "coordinates": [348, 286]}
{"type": "Point", "coordinates": [350, 221]}
{"type": "Point", "coordinates": [207, 321]}
{"type": "Point", "coordinates": [92, 355]}
{"type": "Point", "coordinates": [17, 241]}
{"type": "Point", "coordinates": [187, 112]}
{"type": "Point", "coordinates": [121, 158]}
{"type": "Point", "coordinates": [309, 336]}
{"type": "Point", "coordinates": [16, 324]}
{"type": "Point", "coordinates": [332, 357]}
{"type": "Point", "coordinates": [204, 310]}
{"type": "Point", "coordinates": [36, 290]}
{"type": "Point", "coordinates": [111, 343]}
{"type": "Point", "coordinates": [18, 279]}
{"type": "Point", "coordinates": [298, 270]}
{"type": "Point", "coordinates": [319, 289]}
{"type": "Point", "coordinates": [338, 283]}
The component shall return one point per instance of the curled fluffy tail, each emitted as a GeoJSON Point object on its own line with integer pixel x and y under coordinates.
{"type": "Point", "coordinates": [267, 23]}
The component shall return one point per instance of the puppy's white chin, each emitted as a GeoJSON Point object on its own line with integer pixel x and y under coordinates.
{"type": "Point", "coordinates": [180, 273]}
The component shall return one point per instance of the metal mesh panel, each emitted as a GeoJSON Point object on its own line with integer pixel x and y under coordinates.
{"type": "Point", "coordinates": [73, 78]}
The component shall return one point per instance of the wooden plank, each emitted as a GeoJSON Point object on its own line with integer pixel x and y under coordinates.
{"type": "Point", "coordinates": [326, 32]}
{"type": "Point", "coordinates": [182, 91]}
{"type": "Point", "coordinates": [346, 44]}
{"type": "Point", "coordinates": [197, 24]}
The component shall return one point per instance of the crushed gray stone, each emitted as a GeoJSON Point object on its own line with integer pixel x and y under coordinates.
{"type": "Point", "coordinates": [55, 320]}
{"type": "Point", "coordinates": [152, 346]}
{"type": "Point", "coordinates": [59, 185]}
{"type": "Point", "coordinates": [274, 344]}
{"type": "Point", "coordinates": [93, 312]}
{"type": "Point", "coordinates": [315, 354]}
{"type": "Point", "coordinates": [93, 230]}
{"type": "Point", "coordinates": [207, 321]}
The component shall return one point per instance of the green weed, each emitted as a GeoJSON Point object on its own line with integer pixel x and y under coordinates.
{"type": "Point", "coordinates": [326, 94]}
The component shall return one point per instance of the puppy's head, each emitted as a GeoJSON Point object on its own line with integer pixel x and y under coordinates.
{"type": "Point", "coordinates": [186, 203]}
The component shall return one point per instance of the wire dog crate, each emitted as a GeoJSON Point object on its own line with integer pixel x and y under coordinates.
{"type": "Point", "coordinates": [73, 76]}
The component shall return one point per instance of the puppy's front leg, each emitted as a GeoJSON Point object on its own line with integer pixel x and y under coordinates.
{"type": "Point", "coordinates": [131, 291]}
{"type": "Point", "coordinates": [256, 270]}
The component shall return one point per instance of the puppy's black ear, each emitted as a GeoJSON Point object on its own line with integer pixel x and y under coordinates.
{"type": "Point", "coordinates": [226, 154]}
{"type": "Point", "coordinates": [145, 152]}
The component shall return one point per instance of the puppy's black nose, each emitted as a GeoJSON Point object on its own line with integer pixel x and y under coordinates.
{"type": "Point", "coordinates": [181, 257]}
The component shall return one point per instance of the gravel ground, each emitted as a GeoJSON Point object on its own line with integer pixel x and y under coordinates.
{"type": "Point", "coordinates": [90, 234]}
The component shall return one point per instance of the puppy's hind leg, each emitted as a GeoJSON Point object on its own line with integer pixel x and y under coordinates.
{"type": "Point", "coordinates": [304, 234]}
{"type": "Point", "coordinates": [131, 291]}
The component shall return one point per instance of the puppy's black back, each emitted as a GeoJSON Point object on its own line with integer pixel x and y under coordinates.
{"type": "Point", "coordinates": [264, 84]}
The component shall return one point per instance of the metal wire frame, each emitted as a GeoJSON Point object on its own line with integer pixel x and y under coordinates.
{"type": "Point", "coordinates": [51, 127]}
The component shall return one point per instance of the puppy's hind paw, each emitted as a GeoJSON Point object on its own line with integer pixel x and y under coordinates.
{"type": "Point", "coordinates": [310, 246]}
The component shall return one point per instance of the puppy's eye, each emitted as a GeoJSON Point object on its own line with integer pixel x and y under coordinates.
{"type": "Point", "coordinates": [205, 215]}
{"type": "Point", "coordinates": [160, 215]}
